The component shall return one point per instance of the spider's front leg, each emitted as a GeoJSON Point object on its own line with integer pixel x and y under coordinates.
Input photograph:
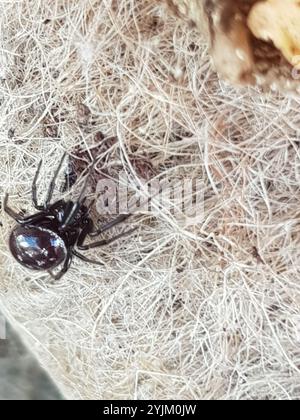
{"type": "Point", "coordinates": [88, 232]}
{"type": "Point", "coordinates": [51, 186]}
{"type": "Point", "coordinates": [34, 188]}
{"type": "Point", "coordinates": [110, 225]}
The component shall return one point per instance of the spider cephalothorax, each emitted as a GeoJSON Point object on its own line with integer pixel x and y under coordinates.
{"type": "Point", "coordinates": [53, 235]}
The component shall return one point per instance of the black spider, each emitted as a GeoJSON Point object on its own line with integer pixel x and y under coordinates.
{"type": "Point", "coordinates": [51, 237]}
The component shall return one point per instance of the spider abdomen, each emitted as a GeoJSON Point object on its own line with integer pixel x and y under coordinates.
{"type": "Point", "coordinates": [37, 248]}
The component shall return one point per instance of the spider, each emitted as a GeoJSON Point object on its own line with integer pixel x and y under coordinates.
{"type": "Point", "coordinates": [52, 237]}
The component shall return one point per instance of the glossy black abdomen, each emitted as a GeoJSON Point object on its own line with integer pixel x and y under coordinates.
{"type": "Point", "coordinates": [37, 248]}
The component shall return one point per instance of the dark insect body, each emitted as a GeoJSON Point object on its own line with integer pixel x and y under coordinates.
{"type": "Point", "coordinates": [57, 232]}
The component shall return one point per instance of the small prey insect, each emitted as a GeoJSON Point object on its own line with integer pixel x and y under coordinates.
{"type": "Point", "coordinates": [57, 231]}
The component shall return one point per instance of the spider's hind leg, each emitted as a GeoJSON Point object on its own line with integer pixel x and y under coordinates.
{"type": "Point", "coordinates": [64, 269]}
{"type": "Point", "coordinates": [12, 213]}
{"type": "Point", "coordinates": [20, 218]}
{"type": "Point", "coordinates": [85, 259]}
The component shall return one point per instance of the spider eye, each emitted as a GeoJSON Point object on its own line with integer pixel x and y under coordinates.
{"type": "Point", "coordinates": [37, 248]}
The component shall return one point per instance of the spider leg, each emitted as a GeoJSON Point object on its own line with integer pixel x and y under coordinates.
{"type": "Point", "coordinates": [36, 218]}
{"type": "Point", "coordinates": [56, 206]}
{"type": "Point", "coordinates": [53, 182]}
{"type": "Point", "coordinates": [85, 232]}
{"type": "Point", "coordinates": [104, 242]}
{"type": "Point", "coordinates": [85, 259]}
{"type": "Point", "coordinates": [64, 269]}
{"type": "Point", "coordinates": [14, 215]}
{"type": "Point", "coordinates": [34, 188]}
{"type": "Point", "coordinates": [21, 219]}
{"type": "Point", "coordinates": [110, 225]}
{"type": "Point", "coordinates": [78, 204]}
{"type": "Point", "coordinates": [71, 215]}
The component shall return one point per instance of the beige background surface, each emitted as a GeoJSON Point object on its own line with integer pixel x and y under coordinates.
{"type": "Point", "coordinates": [208, 309]}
